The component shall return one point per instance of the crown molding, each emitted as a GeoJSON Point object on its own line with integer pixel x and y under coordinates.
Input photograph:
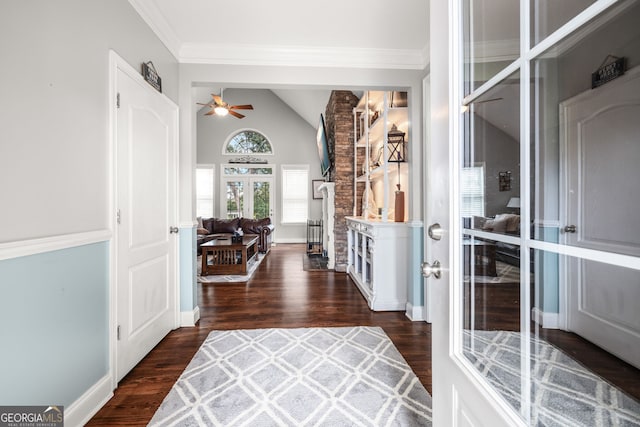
{"type": "Point", "coordinates": [158, 24]}
{"type": "Point", "coordinates": [494, 50]}
{"type": "Point", "coordinates": [196, 53]}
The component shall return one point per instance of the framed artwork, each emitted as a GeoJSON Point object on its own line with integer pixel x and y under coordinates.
{"type": "Point", "coordinates": [315, 184]}
{"type": "Point", "coordinates": [504, 181]}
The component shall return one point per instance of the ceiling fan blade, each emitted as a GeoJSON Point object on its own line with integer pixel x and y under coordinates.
{"type": "Point", "coordinates": [241, 107]}
{"type": "Point", "coordinates": [210, 113]}
{"type": "Point", "coordinates": [207, 105]}
{"type": "Point", "coordinates": [238, 115]}
{"type": "Point", "coordinates": [217, 99]}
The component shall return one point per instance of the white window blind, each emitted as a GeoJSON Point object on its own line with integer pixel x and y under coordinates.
{"type": "Point", "coordinates": [204, 191]}
{"type": "Point", "coordinates": [295, 194]}
{"type": "Point", "coordinates": [472, 191]}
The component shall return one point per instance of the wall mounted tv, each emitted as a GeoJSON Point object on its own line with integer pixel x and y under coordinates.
{"type": "Point", "coordinates": [323, 147]}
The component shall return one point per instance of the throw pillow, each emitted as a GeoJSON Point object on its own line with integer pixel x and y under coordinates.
{"type": "Point", "coordinates": [225, 225]}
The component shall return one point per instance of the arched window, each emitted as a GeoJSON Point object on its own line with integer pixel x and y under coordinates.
{"type": "Point", "coordinates": [248, 142]}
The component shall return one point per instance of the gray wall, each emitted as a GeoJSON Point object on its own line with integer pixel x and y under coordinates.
{"type": "Point", "coordinates": [54, 171]}
{"type": "Point", "coordinates": [500, 152]}
{"type": "Point", "coordinates": [55, 133]}
{"type": "Point", "coordinates": [292, 138]}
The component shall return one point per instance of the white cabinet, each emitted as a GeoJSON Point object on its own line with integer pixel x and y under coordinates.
{"type": "Point", "coordinates": [377, 260]}
{"type": "Point", "coordinates": [373, 119]}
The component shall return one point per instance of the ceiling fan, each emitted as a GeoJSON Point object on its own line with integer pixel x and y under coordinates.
{"type": "Point", "coordinates": [221, 108]}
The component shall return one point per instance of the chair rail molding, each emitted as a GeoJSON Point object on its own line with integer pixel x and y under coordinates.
{"type": "Point", "coordinates": [22, 248]}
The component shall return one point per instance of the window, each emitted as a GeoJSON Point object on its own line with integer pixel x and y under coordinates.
{"type": "Point", "coordinates": [295, 193]}
{"type": "Point", "coordinates": [204, 191]}
{"type": "Point", "coordinates": [472, 191]}
{"type": "Point", "coordinates": [248, 142]}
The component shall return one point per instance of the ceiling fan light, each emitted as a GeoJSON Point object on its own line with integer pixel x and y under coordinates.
{"type": "Point", "coordinates": [221, 111]}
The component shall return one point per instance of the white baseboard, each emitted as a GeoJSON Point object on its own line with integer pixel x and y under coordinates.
{"type": "Point", "coordinates": [415, 313]}
{"type": "Point", "coordinates": [546, 320]}
{"type": "Point", "coordinates": [81, 411]}
{"type": "Point", "coordinates": [189, 318]}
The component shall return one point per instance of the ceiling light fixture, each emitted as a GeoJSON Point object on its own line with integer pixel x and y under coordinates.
{"type": "Point", "coordinates": [221, 110]}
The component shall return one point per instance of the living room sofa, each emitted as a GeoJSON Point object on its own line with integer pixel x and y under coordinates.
{"type": "Point", "coordinates": [507, 224]}
{"type": "Point", "coordinates": [212, 228]}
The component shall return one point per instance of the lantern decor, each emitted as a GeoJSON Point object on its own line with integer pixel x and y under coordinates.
{"type": "Point", "coordinates": [397, 154]}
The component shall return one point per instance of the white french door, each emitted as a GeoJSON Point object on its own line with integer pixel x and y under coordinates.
{"type": "Point", "coordinates": [498, 73]}
{"type": "Point", "coordinates": [247, 196]}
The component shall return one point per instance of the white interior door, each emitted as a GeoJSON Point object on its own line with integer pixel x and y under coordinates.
{"type": "Point", "coordinates": [601, 136]}
{"type": "Point", "coordinates": [146, 147]}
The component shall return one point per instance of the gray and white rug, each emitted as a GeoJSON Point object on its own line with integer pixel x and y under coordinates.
{"type": "Point", "coordinates": [563, 392]}
{"type": "Point", "coordinates": [297, 377]}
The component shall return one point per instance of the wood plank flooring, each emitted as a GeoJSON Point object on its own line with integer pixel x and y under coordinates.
{"type": "Point", "coordinates": [282, 295]}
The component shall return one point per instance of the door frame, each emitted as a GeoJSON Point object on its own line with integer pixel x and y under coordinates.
{"type": "Point", "coordinates": [117, 63]}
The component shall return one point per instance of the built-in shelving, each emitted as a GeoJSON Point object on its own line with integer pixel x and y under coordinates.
{"type": "Point", "coordinates": [373, 118]}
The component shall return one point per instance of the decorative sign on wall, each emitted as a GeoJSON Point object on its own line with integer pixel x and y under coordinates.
{"type": "Point", "coordinates": [151, 76]}
{"type": "Point", "coordinates": [608, 72]}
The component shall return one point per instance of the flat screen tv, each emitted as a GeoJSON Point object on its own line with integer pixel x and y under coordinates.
{"type": "Point", "coordinates": [323, 147]}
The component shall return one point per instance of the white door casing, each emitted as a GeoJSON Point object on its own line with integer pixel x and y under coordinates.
{"type": "Point", "coordinates": [599, 136]}
{"type": "Point", "coordinates": [145, 203]}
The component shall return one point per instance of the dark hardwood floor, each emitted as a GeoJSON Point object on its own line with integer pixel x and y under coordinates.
{"type": "Point", "coordinates": [283, 295]}
{"type": "Point", "coordinates": [280, 295]}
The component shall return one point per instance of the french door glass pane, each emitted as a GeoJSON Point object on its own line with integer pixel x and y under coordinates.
{"type": "Point", "coordinates": [600, 308]}
{"type": "Point", "coordinates": [586, 177]}
{"type": "Point", "coordinates": [261, 199]}
{"type": "Point", "coordinates": [490, 178]}
{"type": "Point", "coordinates": [491, 323]}
{"type": "Point", "coordinates": [491, 34]}
{"type": "Point", "coordinates": [549, 15]}
{"type": "Point", "coordinates": [235, 199]}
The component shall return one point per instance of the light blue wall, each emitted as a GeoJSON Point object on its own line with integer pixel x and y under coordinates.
{"type": "Point", "coordinates": [415, 294]}
{"type": "Point", "coordinates": [53, 325]}
{"type": "Point", "coordinates": [546, 267]}
{"type": "Point", "coordinates": [188, 259]}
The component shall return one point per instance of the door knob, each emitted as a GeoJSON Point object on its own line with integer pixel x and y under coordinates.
{"type": "Point", "coordinates": [570, 229]}
{"type": "Point", "coordinates": [431, 270]}
{"type": "Point", "coordinates": [435, 231]}
{"type": "Point", "coordinates": [173, 230]}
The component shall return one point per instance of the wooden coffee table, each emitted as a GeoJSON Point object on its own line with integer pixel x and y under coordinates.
{"type": "Point", "coordinates": [223, 256]}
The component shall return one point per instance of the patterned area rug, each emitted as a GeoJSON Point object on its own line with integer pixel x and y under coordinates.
{"type": "Point", "coordinates": [297, 377]}
{"type": "Point", "coordinates": [563, 392]}
{"type": "Point", "coordinates": [231, 278]}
